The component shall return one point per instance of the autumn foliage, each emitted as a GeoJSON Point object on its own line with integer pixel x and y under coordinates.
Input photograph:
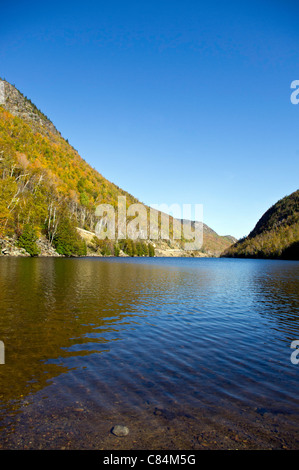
{"type": "Point", "coordinates": [46, 185]}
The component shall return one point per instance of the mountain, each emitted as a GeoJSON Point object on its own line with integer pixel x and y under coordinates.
{"type": "Point", "coordinates": [49, 193]}
{"type": "Point", "coordinates": [214, 243]}
{"type": "Point", "coordinates": [276, 235]}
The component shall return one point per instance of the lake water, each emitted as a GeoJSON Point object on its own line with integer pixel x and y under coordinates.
{"type": "Point", "coordinates": [188, 353]}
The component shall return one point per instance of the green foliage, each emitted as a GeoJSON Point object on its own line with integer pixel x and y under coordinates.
{"type": "Point", "coordinates": [104, 247]}
{"type": "Point", "coordinates": [84, 200]}
{"type": "Point", "coordinates": [8, 189]}
{"type": "Point", "coordinates": [128, 247]}
{"type": "Point", "coordinates": [27, 240]}
{"type": "Point", "coordinates": [139, 249]}
{"type": "Point", "coordinates": [136, 248]}
{"type": "Point", "coordinates": [284, 212]}
{"type": "Point", "coordinates": [67, 241]}
{"type": "Point", "coordinates": [116, 249]}
{"type": "Point", "coordinates": [276, 235]}
{"type": "Point", "coordinates": [151, 250]}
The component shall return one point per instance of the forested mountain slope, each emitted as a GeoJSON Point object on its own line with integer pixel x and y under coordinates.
{"type": "Point", "coordinates": [276, 234]}
{"type": "Point", "coordinates": [48, 190]}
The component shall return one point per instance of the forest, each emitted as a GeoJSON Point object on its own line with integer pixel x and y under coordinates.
{"type": "Point", "coordinates": [276, 234]}
{"type": "Point", "coordinates": [47, 189]}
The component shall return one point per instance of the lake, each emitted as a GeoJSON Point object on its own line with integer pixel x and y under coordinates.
{"type": "Point", "coordinates": [188, 353]}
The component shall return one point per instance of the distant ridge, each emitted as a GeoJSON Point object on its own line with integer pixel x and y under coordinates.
{"type": "Point", "coordinates": [276, 234]}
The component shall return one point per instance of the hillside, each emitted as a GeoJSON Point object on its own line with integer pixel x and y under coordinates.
{"type": "Point", "coordinates": [276, 234]}
{"type": "Point", "coordinates": [48, 191]}
{"type": "Point", "coordinates": [214, 243]}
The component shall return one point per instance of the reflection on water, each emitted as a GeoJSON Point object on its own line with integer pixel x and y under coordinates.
{"type": "Point", "coordinates": [206, 342]}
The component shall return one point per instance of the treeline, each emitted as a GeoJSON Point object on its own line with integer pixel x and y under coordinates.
{"type": "Point", "coordinates": [281, 243]}
{"type": "Point", "coordinates": [127, 246]}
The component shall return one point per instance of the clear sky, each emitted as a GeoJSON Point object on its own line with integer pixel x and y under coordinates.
{"type": "Point", "coordinates": [177, 102]}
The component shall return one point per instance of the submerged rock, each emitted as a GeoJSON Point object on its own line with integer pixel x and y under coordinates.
{"type": "Point", "coordinates": [164, 413]}
{"type": "Point", "coordinates": [120, 430]}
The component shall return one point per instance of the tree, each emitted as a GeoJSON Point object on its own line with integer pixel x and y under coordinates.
{"type": "Point", "coordinates": [27, 240]}
{"type": "Point", "coordinates": [116, 250]}
{"type": "Point", "coordinates": [67, 241]}
{"type": "Point", "coordinates": [151, 250]}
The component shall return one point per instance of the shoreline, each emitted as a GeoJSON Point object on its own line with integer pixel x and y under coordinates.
{"type": "Point", "coordinates": [167, 426]}
{"type": "Point", "coordinates": [9, 248]}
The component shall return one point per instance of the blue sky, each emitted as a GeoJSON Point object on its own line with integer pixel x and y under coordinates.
{"type": "Point", "coordinates": [177, 102]}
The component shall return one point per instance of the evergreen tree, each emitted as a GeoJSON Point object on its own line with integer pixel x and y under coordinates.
{"type": "Point", "coordinates": [151, 250]}
{"type": "Point", "coordinates": [116, 249]}
{"type": "Point", "coordinates": [67, 241]}
{"type": "Point", "coordinates": [27, 240]}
